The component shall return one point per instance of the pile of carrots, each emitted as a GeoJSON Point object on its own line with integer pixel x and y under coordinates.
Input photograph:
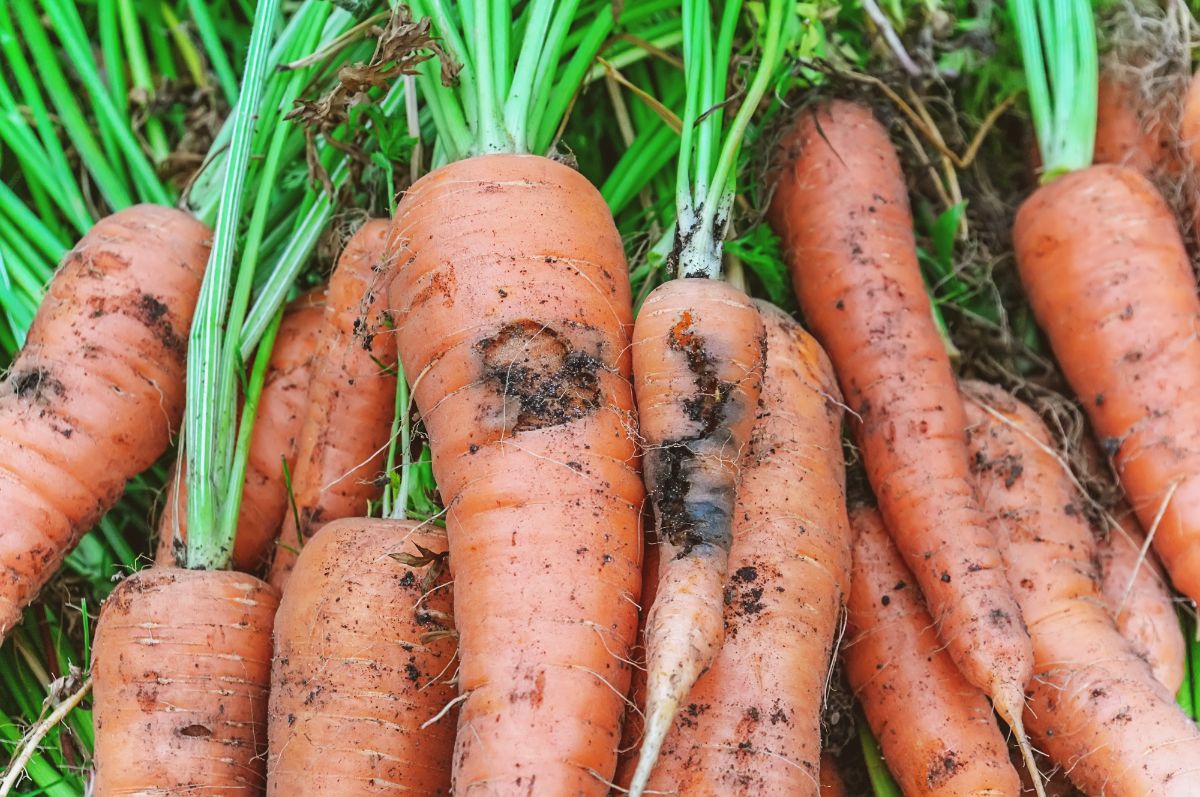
{"type": "Point", "coordinates": [528, 639]}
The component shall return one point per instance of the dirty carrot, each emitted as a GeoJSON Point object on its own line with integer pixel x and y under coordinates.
{"type": "Point", "coordinates": [937, 731]}
{"type": "Point", "coordinates": [96, 393]}
{"type": "Point", "coordinates": [347, 418]}
{"type": "Point", "coordinates": [698, 350]}
{"type": "Point", "coordinates": [276, 429]}
{"type": "Point", "coordinates": [513, 315]}
{"type": "Point", "coordinates": [841, 208]}
{"type": "Point", "coordinates": [1132, 130]}
{"type": "Point", "coordinates": [364, 659]}
{"type": "Point", "coordinates": [1095, 706]}
{"type": "Point", "coordinates": [752, 723]}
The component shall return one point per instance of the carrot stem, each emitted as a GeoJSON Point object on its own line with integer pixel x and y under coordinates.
{"type": "Point", "coordinates": [882, 783]}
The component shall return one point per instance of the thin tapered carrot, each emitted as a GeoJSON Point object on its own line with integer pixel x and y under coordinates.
{"type": "Point", "coordinates": [350, 401]}
{"type": "Point", "coordinates": [751, 723]}
{"type": "Point", "coordinates": [276, 429]}
{"type": "Point", "coordinates": [937, 732]}
{"type": "Point", "coordinates": [1095, 706]}
{"type": "Point", "coordinates": [513, 313]}
{"type": "Point", "coordinates": [842, 209]}
{"type": "Point", "coordinates": [1138, 594]}
{"type": "Point", "coordinates": [96, 393]}
{"type": "Point", "coordinates": [1119, 306]}
{"type": "Point", "coordinates": [364, 658]}
{"type": "Point", "coordinates": [182, 664]}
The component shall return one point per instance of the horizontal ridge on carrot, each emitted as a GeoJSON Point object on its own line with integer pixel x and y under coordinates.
{"type": "Point", "coordinates": [281, 410]}
{"type": "Point", "coordinates": [841, 207]}
{"type": "Point", "coordinates": [752, 723]}
{"type": "Point", "coordinates": [349, 404]}
{"type": "Point", "coordinates": [1094, 704]}
{"type": "Point", "coordinates": [937, 732]}
{"type": "Point", "coordinates": [363, 660]}
{"type": "Point", "coordinates": [513, 314]}
{"type": "Point", "coordinates": [96, 393]}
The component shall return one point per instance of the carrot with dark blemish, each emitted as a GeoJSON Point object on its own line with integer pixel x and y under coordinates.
{"type": "Point", "coordinates": [751, 723]}
{"type": "Point", "coordinates": [96, 393]}
{"type": "Point", "coordinates": [841, 207]}
{"type": "Point", "coordinates": [1095, 706]}
{"type": "Point", "coordinates": [281, 411]}
{"type": "Point", "coordinates": [698, 356]}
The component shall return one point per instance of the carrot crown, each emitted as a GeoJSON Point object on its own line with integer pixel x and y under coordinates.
{"type": "Point", "coordinates": [708, 150]}
{"type": "Point", "coordinates": [1058, 48]}
{"type": "Point", "coordinates": [502, 83]}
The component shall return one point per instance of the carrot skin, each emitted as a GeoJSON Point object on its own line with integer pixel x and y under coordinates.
{"type": "Point", "coordinates": [1130, 132]}
{"type": "Point", "coordinates": [937, 731]}
{"type": "Point", "coordinates": [841, 207]}
{"type": "Point", "coordinates": [350, 403]}
{"type": "Point", "coordinates": [182, 665]}
{"type": "Point", "coordinates": [280, 412]}
{"type": "Point", "coordinates": [1128, 345]}
{"type": "Point", "coordinates": [832, 784]}
{"type": "Point", "coordinates": [513, 313]}
{"type": "Point", "coordinates": [97, 391]}
{"type": "Point", "coordinates": [1145, 611]}
{"type": "Point", "coordinates": [751, 724]}
{"type": "Point", "coordinates": [1094, 705]}
{"type": "Point", "coordinates": [1189, 123]}
{"type": "Point", "coordinates": [354, 676]}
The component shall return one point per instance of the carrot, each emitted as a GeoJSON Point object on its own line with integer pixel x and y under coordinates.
{"type": "Point", "coordinates": [1094, 704]}
{"type": "Point", "coordinates": [515, 334]}
{"type": "Point", "coordinates": [698, 360]}
{"type": "Point", "coordinates": [346, 424]}
{"type": "Point", "coordinates": [937, 732]}
{"type": "Point", "coordinates": [634, 725]}
{"type": "Point", "coordinates": [362, 661]}
{"type": "Point", "coordinates": [1189, 123]}
{"type": "Point", "coordinates": [513, 308]}
{"type": "Point", "coordinates": [832, 784]}
{"type": "Point", "coordinates": [1132, 131]}
{"type": "Point", "coordinates": [281, 409]}
{"type": "Point", "coordinates": [98, 389]}
{"type": "Point", "coordinates": [1138, 595]}
{"type": "Point", "coordinates": [751, 724]}
{"type": "Point", "coordinates": [182, 663]}
{"type": "Point", "coordinates": [842, 210]}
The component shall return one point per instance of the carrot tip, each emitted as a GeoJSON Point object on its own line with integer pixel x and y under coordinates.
{"type": "Point", "coordinates": [1009, 702]}
{"type": "Point", "coordinates": [658, 724]}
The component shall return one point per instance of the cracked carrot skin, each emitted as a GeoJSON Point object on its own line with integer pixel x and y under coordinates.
{"type": "Point", "coordinates": [363, 658]}
{"type": "Point", "coordinates": [351, 398]}
{"type": "Point", "coordinates": [273, 441]}
{"type": "Point", "coordinates": [182, 665]}
{"type": "Point", "coordinates": [514, 312]}
{"type": "Point", "coordinates": [841, 208]}
{"type": "Point", "coordinates": [937, 732]}
{"type": "Point", "coordinates": [1128, 345]}
{"type": "Point", "coordinates": [1145, 612]}
{"type": "Point", "coordinates": [752, 723]}
{"type": "Point", "coordinates": [1094, 705]}
{"type": "Point", "coordinates": [93, 397]}
{"type": "Point", "coordinates": [698, 358]}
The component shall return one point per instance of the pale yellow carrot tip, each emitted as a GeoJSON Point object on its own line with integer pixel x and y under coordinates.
{"type": "Point", "coordinates": [1009, 703]}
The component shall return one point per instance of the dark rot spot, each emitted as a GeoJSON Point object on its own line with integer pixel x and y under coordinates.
{"type": "Point", "coordinates": [196, 732]}
{"type": "Point", "coordinates": [885, 600]}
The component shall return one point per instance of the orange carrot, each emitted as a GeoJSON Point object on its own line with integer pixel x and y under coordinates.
{"type": "Point", "coordinates": [1119, 306]}
{"type": "Point", "coordinates": [698, 349]}
{"type": "Point", "coordinates": [751, 724]}
{"type": "Point", "coordinates": [1138, 595]}
{"type": "Point", "coordinates": [937, 732]}
{"type": "Point", "coordinates": [97, 391]}
{"type": "Point", "coordinates": [831, 779]}
{"type": "Point", "coordinates": [1132, 131]}
{"type": "Point", "coordinates": [182, 664]}
{"type": "Point", "coordinates": [1189, 123]}
{"type": "Point", "coordinates": [842, 210]}
{"type": "Point", "coordinates": [363, 659]}
{"type": "Point", "coordinates": [513, 314]}
{"type": "Point", "coordinates": [280, 411]}
{"type": "Point", "coordinates": [1094, 705]}
{"type": "Point", "coordinates": [635, 718]}
{"type": "Point", "coordinates": [350, 402]}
